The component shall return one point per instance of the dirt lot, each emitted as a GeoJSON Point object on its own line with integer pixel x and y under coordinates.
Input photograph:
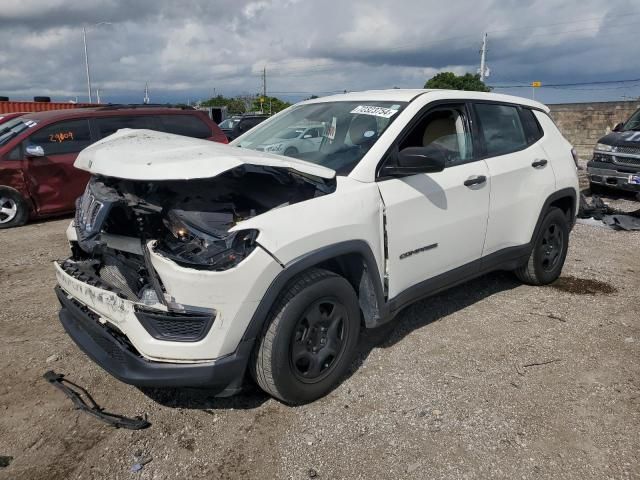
{"type": "Point", "coordinates": [490, 380]}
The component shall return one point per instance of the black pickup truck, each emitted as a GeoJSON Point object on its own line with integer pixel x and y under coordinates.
{"type": "Point", "coordinates": [616, 158]}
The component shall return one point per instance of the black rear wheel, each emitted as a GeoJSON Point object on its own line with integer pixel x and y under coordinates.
{"type": "Point", "coordinates": [549, 250]}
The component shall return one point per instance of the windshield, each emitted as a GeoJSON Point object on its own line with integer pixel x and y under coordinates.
{"type": "Point", "coordinates": [633, 123]}
{"type": "Point", "coordinates": [228, 123]}
{"type": "Point", "coordinates": [346, 131]}
{"type": "Point", "coordinates": [13, 127]}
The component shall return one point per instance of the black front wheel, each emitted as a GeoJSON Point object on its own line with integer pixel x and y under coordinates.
{"type": "Point", "coordinates": [310, 338]}
{"type": "Point", "coordinates": [549, 250]}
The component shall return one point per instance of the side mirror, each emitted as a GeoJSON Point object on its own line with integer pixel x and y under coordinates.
{"type": "Point", "coordinates": [412, 160]}
{"type": "Point", "coordinates": [618, 127]}
{"type": "Point", "coordinates": [34, 151]}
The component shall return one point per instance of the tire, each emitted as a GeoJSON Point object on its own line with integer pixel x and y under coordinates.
{"type": "Point", "coordinates": [290, 152]}
{"type": "Point", "coordinates": [309, 338]}
{"type": "Point", "coordinates": [14, 210]}
{"type": "Point", "coordinates": [549, 250]}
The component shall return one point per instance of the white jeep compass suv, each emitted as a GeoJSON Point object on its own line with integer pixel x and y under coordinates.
{"type": "Point", "coordinates": [194, 263]}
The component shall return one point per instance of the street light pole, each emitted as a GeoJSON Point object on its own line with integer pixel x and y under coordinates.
{"type": "Point", "coordinates": [86, 56]}
{"type": "Point", "coordinates": [86, 63]}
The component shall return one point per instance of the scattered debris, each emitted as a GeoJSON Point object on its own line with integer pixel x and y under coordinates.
{"type": "Point", "coordinates": [552, 316]}
{"type": "Point", "coordinates": [582, 286]}
{"type": "Point", "coordinates": [5, 461]}
{"type": "Point", "coordinates": [76, 393]}
{"type": "Point", "coordinates": [546, 362]}
{"type": "Point", "coordinates": [52, 358]}
{"type": "Point", "coordinates": [622, 222]}
{"type": "Point", "coordinates": [312, 473]}
{"type": "Point", "coordinates": [140, 462]}
{"type": "Point", "coordinates": [598, 213]}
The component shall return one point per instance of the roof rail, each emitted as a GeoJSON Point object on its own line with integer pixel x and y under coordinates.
{"type": "Point", "coordinates": [121, 106]}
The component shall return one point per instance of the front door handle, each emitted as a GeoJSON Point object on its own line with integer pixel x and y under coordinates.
{"type": "Point", "coordinates": [539, 163]}
{"type": "Point", "coordinates": [475, 180]}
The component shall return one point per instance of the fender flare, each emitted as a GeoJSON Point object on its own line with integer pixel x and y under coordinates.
{"type": "Point", "coordinates": [306, 261]}
{"type": "Point", "coordinates": [555, 196]}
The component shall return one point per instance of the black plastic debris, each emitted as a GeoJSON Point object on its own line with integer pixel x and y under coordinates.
{"type": "Point", "coordinates": [595, 209]}
{"type": "Point", "coordinates": [77, 394]}
{"type": "Point", "coordinates": [616, 219]}
{"type": "Point", "coordinates": [5, 461]}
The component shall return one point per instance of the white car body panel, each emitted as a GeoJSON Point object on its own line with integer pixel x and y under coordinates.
{"type": "Point", "coordinates": [518, 192]}
{"type": "Point", "coordinates": [419, 216]}
{"type": "Point", "coordinates": [151, 155]}
{"type": "Point", "coordinates": [352, 212]}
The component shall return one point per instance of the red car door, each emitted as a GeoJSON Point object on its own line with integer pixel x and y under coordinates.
{"type": "Point", "coordinates": [52, 180]}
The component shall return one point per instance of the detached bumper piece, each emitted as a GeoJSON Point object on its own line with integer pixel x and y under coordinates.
{"type": "Point", "coordinates": [77, 394]}
{"type": "Point", "coordinates": [110, 349]}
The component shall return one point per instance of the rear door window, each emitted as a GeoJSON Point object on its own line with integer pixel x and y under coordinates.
{"type": "Point", "coordinates": [500, 128]}
{"type": "Point", "coordinates": [62, 137]}
{"type": "Point", "coordinates": [188, 125]}
{"type": "Point", "coordinates": [106, 126]}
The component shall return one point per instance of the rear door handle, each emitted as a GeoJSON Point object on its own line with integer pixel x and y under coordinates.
{"type": "Point", "coordinates": [539, 163]}
{"type": "Point", "coordinates": [475, 180]}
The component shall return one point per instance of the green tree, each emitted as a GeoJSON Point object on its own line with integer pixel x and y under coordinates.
{"type": "Point", "coordinates": [451, 81]}
{"type": "Point", "coordinates": [270, 105]}
{"type": "Point", "coordinates": [235, 106]}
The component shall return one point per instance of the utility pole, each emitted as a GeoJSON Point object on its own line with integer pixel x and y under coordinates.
{"type": "Point", "coordinates": [145, 100]}
{"type": "Point", "coordinates": [98, 95]}
{"type": "Point", "coordinates": [484, 69]}
{"type": "Point", "coordinates": [264, 82]}
{"type": "Point", "coordinates": [86, 62]}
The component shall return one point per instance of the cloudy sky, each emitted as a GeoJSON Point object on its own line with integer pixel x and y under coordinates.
{"type": "Point", "coordinates": [188, 49]}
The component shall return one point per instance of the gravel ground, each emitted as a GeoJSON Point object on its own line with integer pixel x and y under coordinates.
{"type": "Point", "coordinates": [492, 379]}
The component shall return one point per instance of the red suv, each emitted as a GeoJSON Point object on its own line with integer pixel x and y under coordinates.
{"type": "Point", "coordinates": [37, 151]}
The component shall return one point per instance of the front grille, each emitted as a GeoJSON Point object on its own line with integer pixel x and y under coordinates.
{"type": "Point", "coordinates": [627, 161]}
{"type": "Point", "coordinates": [123, 277]}
{"type": "Point", "coordinates": [87, 212]}
{"type": "Point", "coordinates": [628, 150]}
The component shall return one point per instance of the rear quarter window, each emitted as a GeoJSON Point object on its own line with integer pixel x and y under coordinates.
{"type": "Point", "coordinates": [532, 128]}
{"type": "Point", "coordinates": [187, 125]}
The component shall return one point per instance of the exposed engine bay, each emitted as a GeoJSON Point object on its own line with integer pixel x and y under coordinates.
{"type": "Point", "coordinates": [188, 220]}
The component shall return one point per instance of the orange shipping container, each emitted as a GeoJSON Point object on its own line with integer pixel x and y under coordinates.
{"type": "Point", "coordinates": [15, 107]}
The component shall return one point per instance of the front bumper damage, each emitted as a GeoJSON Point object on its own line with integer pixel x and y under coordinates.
{"type": "Point", "coordinates": [112, 350]}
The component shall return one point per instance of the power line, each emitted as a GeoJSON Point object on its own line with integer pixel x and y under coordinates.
{"type": "Point", "coordinates": [560, 85]}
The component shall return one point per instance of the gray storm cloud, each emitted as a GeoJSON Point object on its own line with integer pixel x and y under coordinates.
{"type": "Point", "coordinates": [186, 49]}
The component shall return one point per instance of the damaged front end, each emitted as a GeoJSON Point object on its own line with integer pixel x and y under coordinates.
{"type": "Point", "coordinates": [194, 223]}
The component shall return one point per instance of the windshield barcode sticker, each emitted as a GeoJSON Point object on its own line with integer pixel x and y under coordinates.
{"type": "Point", "coordinates": [375, 111]}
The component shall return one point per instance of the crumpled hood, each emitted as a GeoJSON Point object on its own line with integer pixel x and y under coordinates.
{"type": "Point", "coordinates": [150, 155]}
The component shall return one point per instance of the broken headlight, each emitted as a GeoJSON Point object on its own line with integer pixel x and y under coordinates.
{"type": "Point", "coordinates": [202, 240]}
